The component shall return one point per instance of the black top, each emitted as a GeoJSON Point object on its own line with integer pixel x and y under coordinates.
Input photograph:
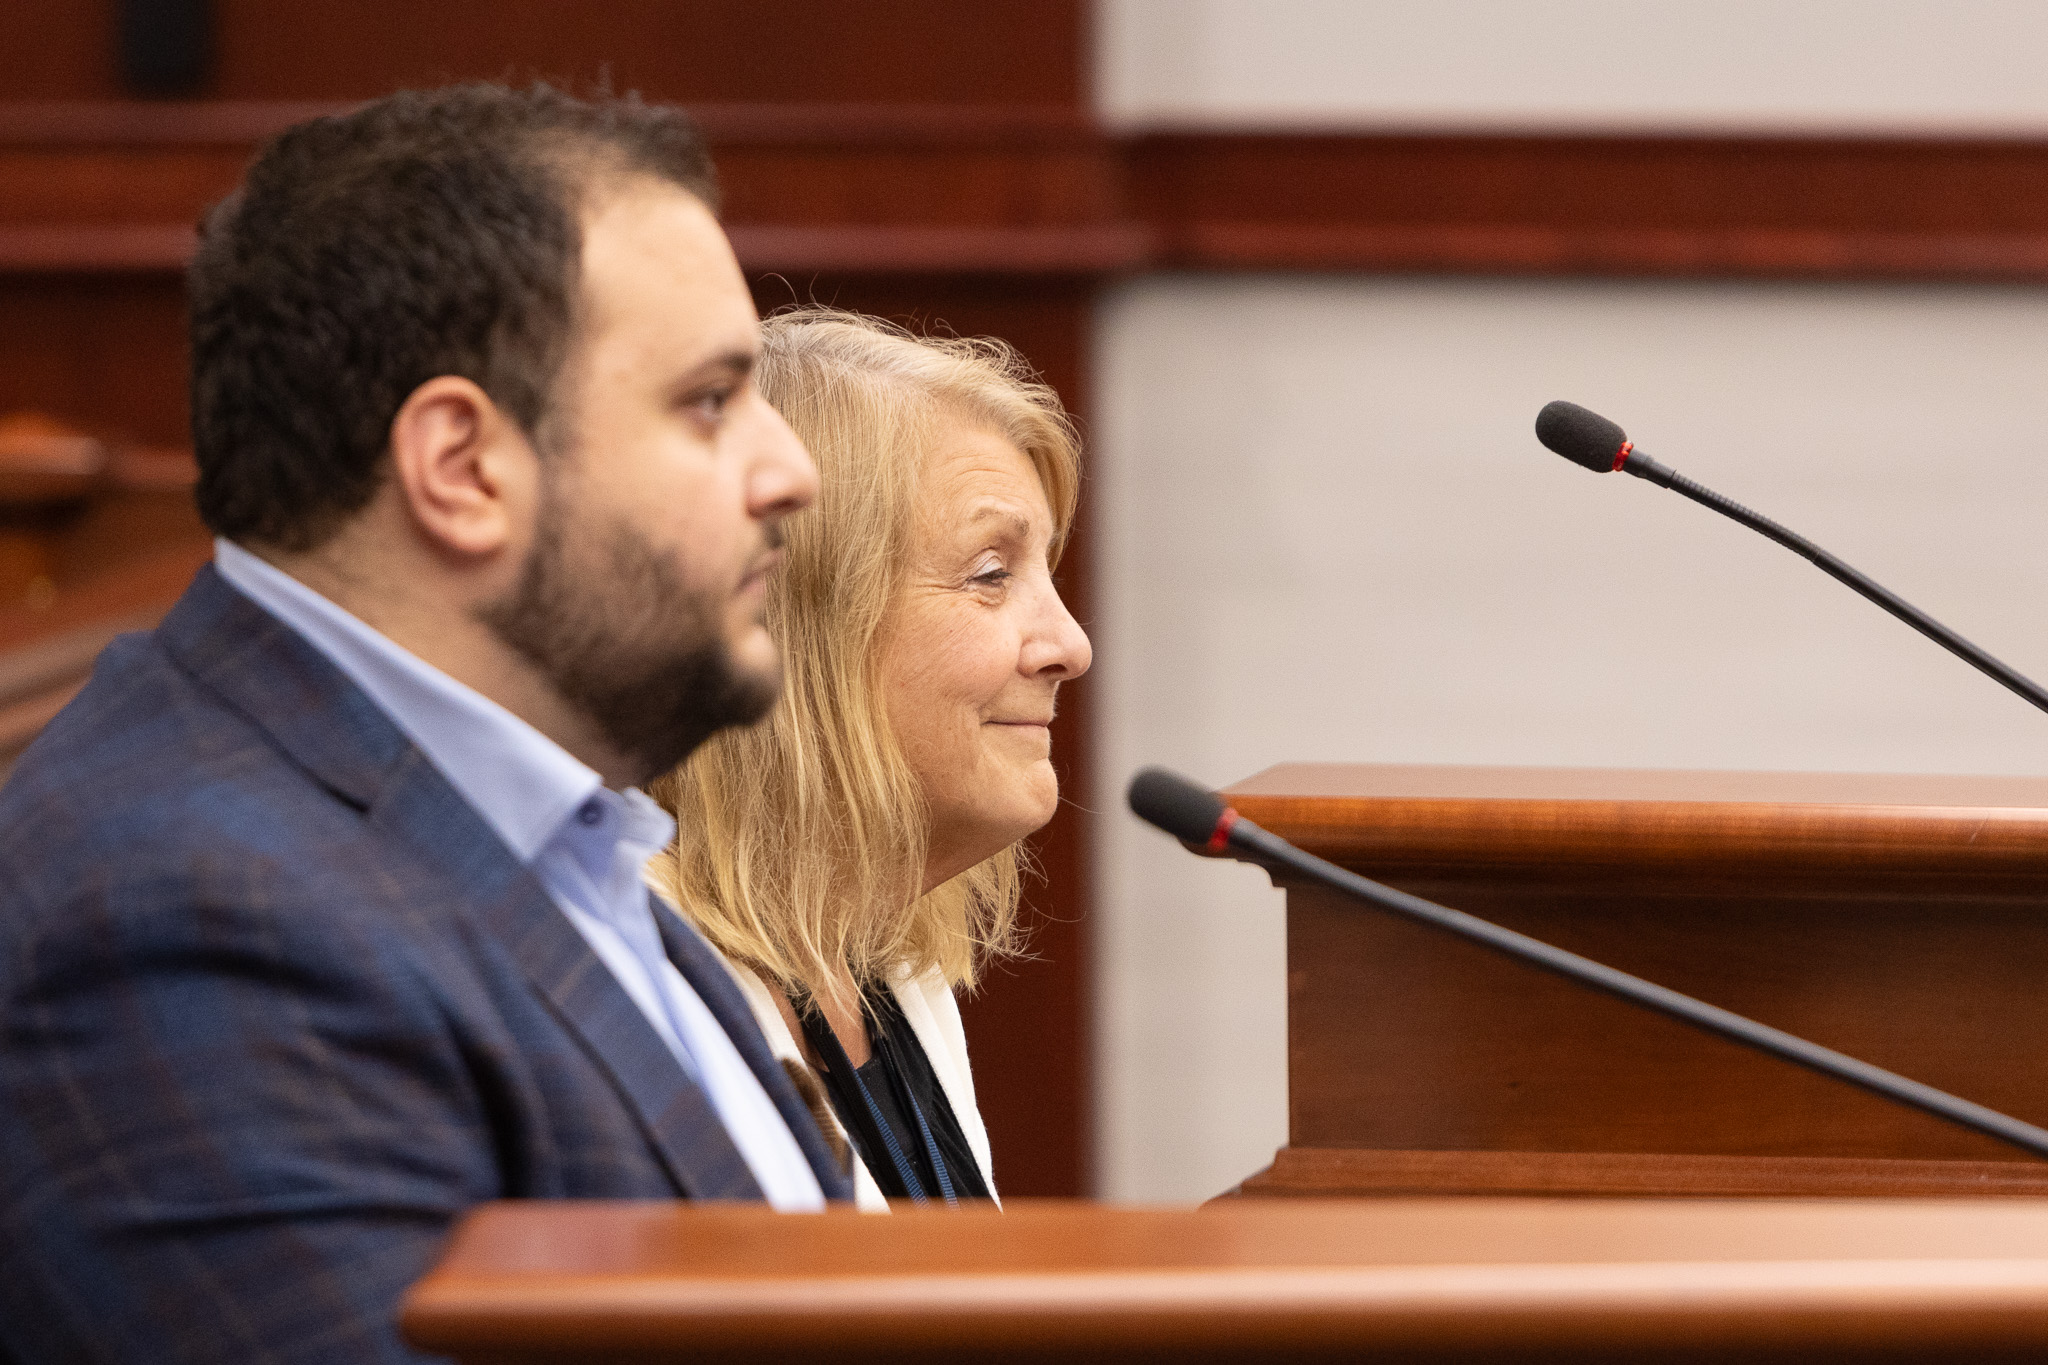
{"type": "Point", "coordinates": [894, 1108]}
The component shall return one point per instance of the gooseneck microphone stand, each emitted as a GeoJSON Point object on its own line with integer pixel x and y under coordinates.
{"type": "Point", "coordinates": [1593, 442]}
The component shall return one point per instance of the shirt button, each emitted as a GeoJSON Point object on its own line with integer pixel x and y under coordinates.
{"type": "Point", "coordinates": [591, 813]}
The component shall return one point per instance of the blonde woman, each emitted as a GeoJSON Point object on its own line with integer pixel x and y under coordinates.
{"type": "Point", "coordinates": [855, 857]}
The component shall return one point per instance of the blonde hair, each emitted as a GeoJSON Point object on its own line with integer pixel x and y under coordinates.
{"type": "Point", "coordinates": [802, 841]}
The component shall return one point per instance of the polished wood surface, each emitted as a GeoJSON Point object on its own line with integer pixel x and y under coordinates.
{"type": "Point", "coordinates": [1898, 919]}
{"type": "Point", "coordinates": [1547, 823]}
{"type": "Point", "coordinates": [1469, 1280]}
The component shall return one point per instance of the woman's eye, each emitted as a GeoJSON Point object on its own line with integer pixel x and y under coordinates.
{"type": "Point", "coordinates": [991, 577]}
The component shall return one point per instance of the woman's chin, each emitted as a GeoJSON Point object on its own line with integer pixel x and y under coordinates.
{"type": "Point", "coordinates": [1023, 805]}
{"type": "Point", "coordinates": [1038, 797]}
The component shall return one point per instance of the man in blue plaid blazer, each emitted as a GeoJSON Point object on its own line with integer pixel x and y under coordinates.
{"type": "Point", "coordinates": [321, 908]}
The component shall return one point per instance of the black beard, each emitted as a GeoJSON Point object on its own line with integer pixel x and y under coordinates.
{"type": "Point", "coordinates": [608, 621]}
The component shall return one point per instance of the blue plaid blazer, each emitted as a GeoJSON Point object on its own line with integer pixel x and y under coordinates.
{"type": "Point", "coordinates": [276, 1006]}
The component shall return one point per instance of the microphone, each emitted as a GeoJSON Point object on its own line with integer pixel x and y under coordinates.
{"type": "Point", "coordinates": [1200, 819]}
{"type": "Point", "coordinates": [1586, 438]}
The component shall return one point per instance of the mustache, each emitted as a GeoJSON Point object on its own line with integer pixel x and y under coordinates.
{"type": "Point", "coordinates": [769, 555]}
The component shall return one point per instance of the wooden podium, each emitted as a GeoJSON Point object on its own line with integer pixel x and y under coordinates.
{"type": "Point", "coordinates": [1903, 920]}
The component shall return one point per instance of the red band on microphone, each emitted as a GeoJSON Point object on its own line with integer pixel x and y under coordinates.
{"type": "Point", "coordinates": [1621, 456]}
{"type": "Point", "coordinates": [1219, 840]}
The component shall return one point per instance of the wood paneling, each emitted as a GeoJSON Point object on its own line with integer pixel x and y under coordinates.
{"type": "Point", "coordinates": [1007, 194]}
{"type": "Point", "coordinates": [965, 189]}
{"type": "Point", "coordinates": [1006, 52]}
{"type": "Point", "coordinates": [1481, 1280]}
{"type": "Point", "coordinates": [107, 354]}
{"type": "Point", "coordinates": [109, 188]}
{"type": "Point", "coordinates": [1670, 206]}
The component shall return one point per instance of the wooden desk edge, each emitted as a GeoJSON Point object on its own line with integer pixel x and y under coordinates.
{"type": "Point", "coordinates": [1072, 1300]}
{"type": "Point", "coordinates": [1442, 834]}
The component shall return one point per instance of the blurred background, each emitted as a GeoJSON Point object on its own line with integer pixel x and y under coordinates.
{"type": "Point", "coordinates": [1306, 269]}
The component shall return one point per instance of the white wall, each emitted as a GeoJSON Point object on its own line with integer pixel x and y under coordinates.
{"type": "Point", "coordinates": [1327, 532]}
{"type": "Point", "coordinates": [1853, 64]}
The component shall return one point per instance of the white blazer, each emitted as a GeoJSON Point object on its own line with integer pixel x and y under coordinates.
{"type": "Point", "coordinates": [934, 1016]}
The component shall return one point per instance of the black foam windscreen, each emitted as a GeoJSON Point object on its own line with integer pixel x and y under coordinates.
{"type": "Point", "coordinates": [1188, 812]}
{"type": "Point", "coordinates": [1580, 435]}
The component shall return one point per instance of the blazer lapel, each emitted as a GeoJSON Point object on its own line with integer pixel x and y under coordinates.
{"type": "Point", "coordinates": [420, 808]}
{"type": "Point", "coordinates": [334, 731]}
{"type": "Point", "coordinates": [700, 966]}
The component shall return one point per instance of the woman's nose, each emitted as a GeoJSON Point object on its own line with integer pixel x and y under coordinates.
{"type": "Point", "coordinates": [782, 478]}
{"type": "Point", "coordinates": [1057, 647]}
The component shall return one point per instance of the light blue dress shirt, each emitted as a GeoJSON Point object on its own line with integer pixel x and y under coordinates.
{"type": "Point", "coordinates": [585, 843]}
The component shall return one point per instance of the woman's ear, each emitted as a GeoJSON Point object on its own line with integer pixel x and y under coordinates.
{"type": "Point", "coordinates": [465, 469]}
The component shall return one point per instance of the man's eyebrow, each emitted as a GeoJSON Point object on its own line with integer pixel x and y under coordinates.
{"type": "Point", "coordinates": [735, 363]}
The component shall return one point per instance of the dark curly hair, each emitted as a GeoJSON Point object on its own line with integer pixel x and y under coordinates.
{"type": "Point", "coordinates": [429, 233]}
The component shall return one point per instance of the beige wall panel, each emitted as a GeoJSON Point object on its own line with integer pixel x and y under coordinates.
{"type": "Point", "coordinates": [1327, 533]}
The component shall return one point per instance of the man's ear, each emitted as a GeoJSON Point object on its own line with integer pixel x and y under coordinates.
{"type": "Point", "coordinates": [466, 470]}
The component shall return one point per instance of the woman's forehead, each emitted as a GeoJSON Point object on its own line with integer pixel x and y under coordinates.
{"type": "Point", "coordinates": [980, 480]}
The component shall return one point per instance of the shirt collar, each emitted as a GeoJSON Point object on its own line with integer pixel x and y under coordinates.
{"type": "Point", "coordinates": [611, 830]}
{"type": "Point", "coordinates": [523, 783]}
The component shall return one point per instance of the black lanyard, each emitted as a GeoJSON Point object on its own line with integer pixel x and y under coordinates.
{"type": "Point", "coordinates": [837, 1060]}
